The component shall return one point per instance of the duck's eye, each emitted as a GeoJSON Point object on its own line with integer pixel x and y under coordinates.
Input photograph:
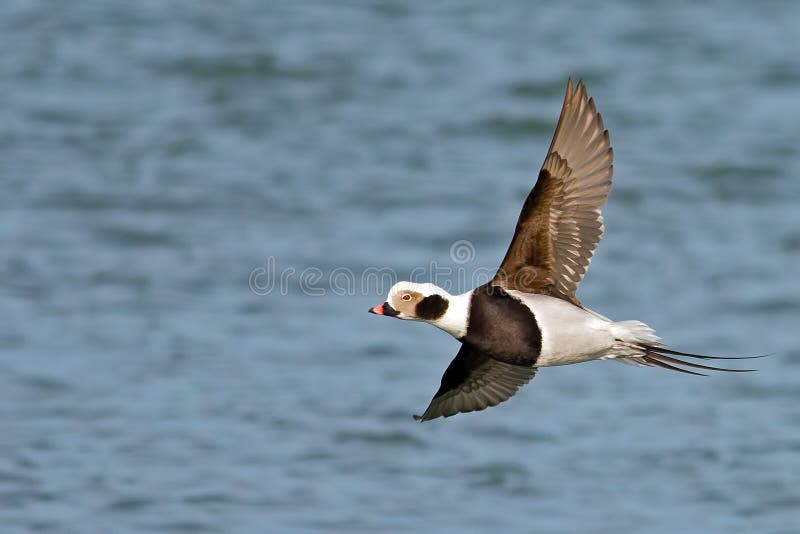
{"type": "Point", "coordinates": [406, 297]}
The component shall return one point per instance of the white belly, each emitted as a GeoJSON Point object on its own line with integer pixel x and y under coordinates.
{"type": "Point", "coordinates": [569, 334]}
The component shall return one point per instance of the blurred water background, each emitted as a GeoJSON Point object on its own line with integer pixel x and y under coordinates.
{"type": "Point", "coordinates": [155, 154]}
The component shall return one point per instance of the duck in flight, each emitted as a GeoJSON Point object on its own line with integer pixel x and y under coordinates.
{"type": "Point", "coordinates": [528, 316]}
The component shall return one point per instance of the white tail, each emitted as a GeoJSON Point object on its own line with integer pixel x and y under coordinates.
{"type": "Point", "coordinates": [635, 332]}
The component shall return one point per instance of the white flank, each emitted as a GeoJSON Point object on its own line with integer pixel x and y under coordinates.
{"type": "Point", "coordinates": [571, 334]}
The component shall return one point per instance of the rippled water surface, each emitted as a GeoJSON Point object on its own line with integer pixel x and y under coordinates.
{"type": "Point", "coordinates": [153, 155]}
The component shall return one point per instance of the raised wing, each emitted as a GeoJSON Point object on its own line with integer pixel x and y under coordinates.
{"type": "Point", "coordinates": [560, 224]}
{"type": "Point", "coordinates": [474, 381]}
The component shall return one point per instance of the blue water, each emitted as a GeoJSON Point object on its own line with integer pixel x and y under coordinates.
{"type": "Point", "coordinates": [154, 155]}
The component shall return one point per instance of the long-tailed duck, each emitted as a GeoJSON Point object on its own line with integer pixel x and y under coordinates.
{"type": "Point", "coordinates": [528, 316]}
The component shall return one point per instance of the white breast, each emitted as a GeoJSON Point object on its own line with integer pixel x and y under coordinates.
{"type": "Point", "coordinates": [569, 334]}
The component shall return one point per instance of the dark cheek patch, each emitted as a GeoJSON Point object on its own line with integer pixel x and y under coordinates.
{"type": "Point", "coordinates": [431, 308]}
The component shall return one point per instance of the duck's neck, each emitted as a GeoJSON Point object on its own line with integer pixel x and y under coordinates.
{"type": "Point", "coordinates": [456, 319]}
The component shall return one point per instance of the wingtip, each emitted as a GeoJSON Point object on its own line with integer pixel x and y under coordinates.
{"type": "Point", "coordinates": [580, 89]}
{"type": "Point", "coordinates": [570, 91]}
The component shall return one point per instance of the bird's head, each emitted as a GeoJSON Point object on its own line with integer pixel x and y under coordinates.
{"type": "Point", "coordinates": [414, 302]}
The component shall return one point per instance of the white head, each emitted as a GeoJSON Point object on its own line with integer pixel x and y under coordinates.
{"type": "Point", "coordinates": [428, 303]}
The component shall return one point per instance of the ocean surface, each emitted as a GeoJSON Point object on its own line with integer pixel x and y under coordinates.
{"type": "Point", "coordinates": [201, 200]}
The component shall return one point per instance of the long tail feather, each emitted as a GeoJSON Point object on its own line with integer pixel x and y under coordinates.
{"type": "Point", "coordinates": [701, 356]}
{"type": "Point", "coordinates": [658, 363]}
{"type": "Point", "coordinates": [663, 357]}
{"type": "Point", "coordinates": [658, 356]}
{"type": "Point", "coordinates": [639, 344]}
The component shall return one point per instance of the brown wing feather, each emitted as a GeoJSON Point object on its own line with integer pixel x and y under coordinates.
{"type": "Point", "coordinates": [474, 381]}
{"type": "Point", "coordinates": [560, 224]}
